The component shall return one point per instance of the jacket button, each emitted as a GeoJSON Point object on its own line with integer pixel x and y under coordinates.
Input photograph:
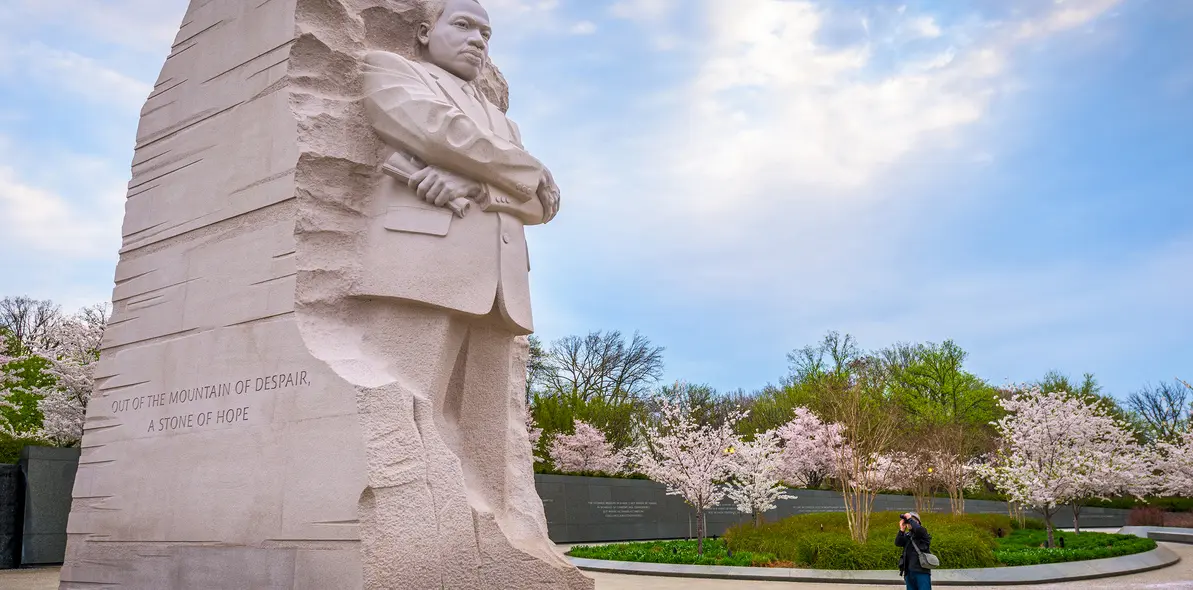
{"type": "Point", "coordinates": [505, 238]}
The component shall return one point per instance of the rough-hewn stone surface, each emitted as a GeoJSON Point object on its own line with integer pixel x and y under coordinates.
{"type": "Point", "coordinates": [225, 446]}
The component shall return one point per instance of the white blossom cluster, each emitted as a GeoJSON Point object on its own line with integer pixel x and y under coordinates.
{"type": "Point", "coordinates": [1057, 449]}
{"type": "Point", "coordinates": [585, 451]}
{"type": "Point", "coordinates": [72, 353]}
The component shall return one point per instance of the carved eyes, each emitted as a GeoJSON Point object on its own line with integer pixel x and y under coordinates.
{"type": "Point", "coordinates": [464, 25]}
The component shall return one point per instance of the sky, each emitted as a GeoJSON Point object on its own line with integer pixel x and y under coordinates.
{"type": "Point", "coordinates": [740, 177]}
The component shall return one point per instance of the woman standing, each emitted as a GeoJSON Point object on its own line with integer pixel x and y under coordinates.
{"type": "Point", "coordinates": [914, 539]}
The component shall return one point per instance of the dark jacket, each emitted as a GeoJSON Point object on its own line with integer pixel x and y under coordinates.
{"type": "Point", "coordinates": [910, 560]}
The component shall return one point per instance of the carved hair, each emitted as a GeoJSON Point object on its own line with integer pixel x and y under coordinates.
{"type": "Point", "coordinates": [432, 11]}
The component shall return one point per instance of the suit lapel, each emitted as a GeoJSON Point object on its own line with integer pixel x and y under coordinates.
{"type": "Point", "coordinates": [450, 87]}
{"type": "Point", "coordinates": [501, 124]}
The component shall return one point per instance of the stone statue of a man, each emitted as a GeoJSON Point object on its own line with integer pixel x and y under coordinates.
{"type": "Point", "coordinates": [446, 281]}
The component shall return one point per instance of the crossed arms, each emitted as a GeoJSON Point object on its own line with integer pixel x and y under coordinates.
{"type": "Point", "coordinates": [409, 115]}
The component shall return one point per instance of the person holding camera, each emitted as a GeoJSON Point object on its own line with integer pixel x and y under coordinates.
{"type": "Point", "coordinates": [915, 541]}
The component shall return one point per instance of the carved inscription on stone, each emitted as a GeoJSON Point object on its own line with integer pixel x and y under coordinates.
{"type": "Point", "coordinates": [623, 509]}
{"type": "Point", "coordinates": [234, 395]}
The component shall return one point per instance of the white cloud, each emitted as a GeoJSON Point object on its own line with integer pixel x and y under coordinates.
{"type": "Point", "coordinates": [40, 222]}
{"type": "Point", "coordinates": [924, 26]}
{"type": "Point", "coordinates": [1065, 15]}
{"type": "Point", "coordinates": [775, 110]}
{"type": "Point", "coordinates": [83, 76]}
{"type": "Point", "coordinates": [142, 25]}
{"type": "Point", "coordinates": [585, 27]}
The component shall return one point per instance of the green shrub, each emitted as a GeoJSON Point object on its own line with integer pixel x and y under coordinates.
{"type": "Point", "coordinates": [10, 447]}
{"type": "Point", "coordinates": [1033, 524]}
{"type": "Point", "coordinates": [1025, 547]}
{"type": "Point", "coordinates": [681, 552]}
{"type": "Point", "coordinates": [822, 540]}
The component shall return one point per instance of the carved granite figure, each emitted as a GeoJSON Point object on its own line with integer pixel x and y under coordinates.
{"type": "Point", "coordinates": [266, 234]}
{"type": "Point", "coordinates": [447, 287]}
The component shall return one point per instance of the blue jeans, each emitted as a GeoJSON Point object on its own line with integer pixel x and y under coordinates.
{"type": "Point", "coordinates": [918, 581]}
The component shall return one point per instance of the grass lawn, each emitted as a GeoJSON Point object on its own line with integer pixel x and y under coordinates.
{"type": "Point", "coordinates": [822, 541]}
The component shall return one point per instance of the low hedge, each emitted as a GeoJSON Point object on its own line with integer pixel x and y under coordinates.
{"type": "Point", "coordinates": [680, 552]}
{"type": "Point", "coordinates": [10, 447]}
{"type": "Point", "coordinates": [822, 541]}
{"type": "Point", "coordinates": [1026, 547]}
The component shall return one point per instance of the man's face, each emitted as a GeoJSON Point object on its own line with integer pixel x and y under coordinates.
{"type": "Point", "coordinates": [459, 41]}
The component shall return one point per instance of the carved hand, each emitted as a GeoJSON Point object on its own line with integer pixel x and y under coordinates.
{"type": "Point", "coordinates": [439, 186]}
{"type": "Point", "coordinates": [548, 194]}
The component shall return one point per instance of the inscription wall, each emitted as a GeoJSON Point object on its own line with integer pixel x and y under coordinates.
{"type": "Point", "coordinates": [595, 509]}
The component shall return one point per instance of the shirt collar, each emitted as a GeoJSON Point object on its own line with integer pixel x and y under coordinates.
{"type": "Point", "coordinates": [444, 75]}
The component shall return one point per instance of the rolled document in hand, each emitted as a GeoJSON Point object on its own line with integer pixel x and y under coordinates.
{"type": "Point", "coordinates": [402, 167]}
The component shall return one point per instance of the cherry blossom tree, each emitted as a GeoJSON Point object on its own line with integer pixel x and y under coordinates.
{"type": "Point", "coordinates": [5, 427]}
{"type": "Point", "coordinates": [757, 475]}
{"type": "Point", "coordinates": [690, 458]}
{"type": "Point", "coordinates": [586, 450]}
{"type": "Point", "coordinates": [1119, 467]}
{"type": "Point", "coordinates": [870, 428]}
{"type": "Point", "coordinates": [1055, 448]}
{"type": "Point", "coordinates": [73, 363]}
{"type": "Point", "coordinates": [956, 474]}
{"type": "Point", "coordinates": [1174, 462]}
{"type": "Point", "coordinates": [914, 471]}
{"type": "Point", "coordinates": [808, 448]}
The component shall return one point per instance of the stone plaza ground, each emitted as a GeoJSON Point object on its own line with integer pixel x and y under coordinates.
{"type": "Point", "coordinates": [1177, 577]}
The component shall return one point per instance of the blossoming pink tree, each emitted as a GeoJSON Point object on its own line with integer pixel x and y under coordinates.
{"type": "Point", "coordinates": [808, 443]}
{"type": "Point", "coordinates": [73, 363]}
{"type": "Point", "coordinates": [757, 475]}
{"type": "Point", "coordinates": [1174, 461]}
{"type": "Point", "coordinates": [1054, 447]}
{"type": "Point", "coordinates": [586, 450]}
{"type": "Point", "coordinates": [915, 472]}
{"type": "Point", "coordinates": [690, 458]}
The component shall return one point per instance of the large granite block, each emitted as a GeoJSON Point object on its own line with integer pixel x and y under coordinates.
{"type": "Point", "coordinates": [313, 376]}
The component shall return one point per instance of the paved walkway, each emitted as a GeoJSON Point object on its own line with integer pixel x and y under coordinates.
{"type": "Point", "coordinates": [1177, 577]}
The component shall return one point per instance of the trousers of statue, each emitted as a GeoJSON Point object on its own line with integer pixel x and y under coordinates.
{"type": "Point", "coordinates": [448, 458]}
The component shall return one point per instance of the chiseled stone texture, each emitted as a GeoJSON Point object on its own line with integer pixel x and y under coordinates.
{"type": "Point", "coordinates": [225, 446]}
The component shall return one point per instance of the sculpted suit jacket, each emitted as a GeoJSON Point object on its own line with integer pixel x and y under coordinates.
{"type": "Point", "coordinates": [420, 252]}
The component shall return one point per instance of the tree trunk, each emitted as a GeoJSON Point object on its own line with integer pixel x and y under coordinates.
{"type": "Point", "coordinates": [700, 531]}
{"type": "Point", "coordinates": [1048, 526]}
{"type": "Point", "coordinates": [1076, 516]}
{"type": "Point", "coordinates": [957, 500]}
